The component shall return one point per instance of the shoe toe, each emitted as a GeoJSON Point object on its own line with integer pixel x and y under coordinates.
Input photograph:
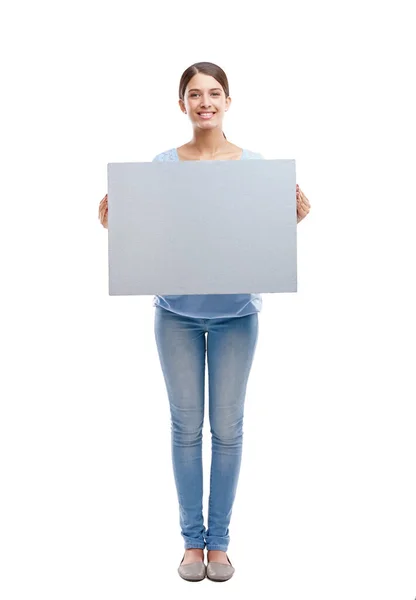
{"type": "Point", "coordinates": [219, 572]}
{"type": "Point", "coordinates": [193, 571]}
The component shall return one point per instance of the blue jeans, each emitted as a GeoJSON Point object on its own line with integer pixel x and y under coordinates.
{"type": "Point", "coordinates": [230, 345]}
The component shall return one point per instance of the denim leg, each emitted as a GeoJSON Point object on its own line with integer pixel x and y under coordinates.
{"type": "Point", "coordinates": [181, 345]}
{"type": "Point", "coordinates": [231, 347]}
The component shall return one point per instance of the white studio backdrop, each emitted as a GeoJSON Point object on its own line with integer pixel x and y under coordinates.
{"type": "Point", "coordinates": [325, 504]}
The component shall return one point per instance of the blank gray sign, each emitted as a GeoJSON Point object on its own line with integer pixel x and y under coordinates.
{"type": "Point", "coordinates": [202, 227]}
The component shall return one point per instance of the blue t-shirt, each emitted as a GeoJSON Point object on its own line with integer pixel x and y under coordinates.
{"type": "Point", "coordinates": [209, 306]}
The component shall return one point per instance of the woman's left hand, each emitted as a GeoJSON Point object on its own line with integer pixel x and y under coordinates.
{"type": "Point", "coordinates": [302, 204]}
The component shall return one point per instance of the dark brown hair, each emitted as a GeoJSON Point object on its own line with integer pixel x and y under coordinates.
{"type": "Point", "coordinates": [206, 68]}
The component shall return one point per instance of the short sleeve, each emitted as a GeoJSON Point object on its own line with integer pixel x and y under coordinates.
{"type": "Point", "coordinates": [168, 155]}
{"type": "Point", "coordinates": [254, 155]}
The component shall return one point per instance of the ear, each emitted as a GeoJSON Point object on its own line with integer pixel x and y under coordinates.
{"type": "Point", "coordinates": [228, 103]}
{"type": "Point", "coordinates": [182, 106]}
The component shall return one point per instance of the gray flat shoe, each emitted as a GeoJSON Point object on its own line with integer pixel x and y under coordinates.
{"type": "Point", "coordinates": [218, 572]}
{"type": "Point", "coordinates": [195, 571]}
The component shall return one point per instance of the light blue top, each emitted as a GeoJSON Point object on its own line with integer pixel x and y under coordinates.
{"type": "Point", "coordinates": [209, 306]}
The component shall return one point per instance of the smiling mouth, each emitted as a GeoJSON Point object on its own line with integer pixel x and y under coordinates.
{"type": "Point", "coordinates": [206, 115]}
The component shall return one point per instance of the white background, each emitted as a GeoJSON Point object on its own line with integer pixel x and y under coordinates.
{"type": "Point", "coordinates": [326, 501]}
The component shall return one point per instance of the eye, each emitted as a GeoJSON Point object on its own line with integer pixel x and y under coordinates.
{"type": "Point", "coordinates": [194, 94]}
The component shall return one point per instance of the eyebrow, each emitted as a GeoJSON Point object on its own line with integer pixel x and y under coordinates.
{"type": "Point", "coordinates": [211, 90]}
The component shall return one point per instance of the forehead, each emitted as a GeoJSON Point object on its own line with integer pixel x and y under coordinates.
{"type": "Point", "coordinates": [201, 81]}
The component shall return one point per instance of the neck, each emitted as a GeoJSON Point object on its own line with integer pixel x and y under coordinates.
{"type": "Point", "coordinates": [209, 142]}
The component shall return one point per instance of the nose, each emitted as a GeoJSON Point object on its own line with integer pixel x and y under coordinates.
{"type": "Point", "coordinates": [206, 103]}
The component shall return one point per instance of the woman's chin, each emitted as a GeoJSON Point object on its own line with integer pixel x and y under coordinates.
{"type": "Point", "coordinates": [208, 126]}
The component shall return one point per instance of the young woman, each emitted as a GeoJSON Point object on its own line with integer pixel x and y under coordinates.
{"type": "Point", "coordinates": [222, 327]}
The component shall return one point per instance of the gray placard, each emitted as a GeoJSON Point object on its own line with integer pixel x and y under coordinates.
{"type": "Point", "coordinates": [202, 227]}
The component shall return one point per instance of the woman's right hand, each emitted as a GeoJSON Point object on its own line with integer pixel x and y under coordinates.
{"type": "Point", "coordinates": [103, 211]}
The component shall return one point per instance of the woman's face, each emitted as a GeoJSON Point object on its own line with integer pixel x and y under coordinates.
{"type": "Point", "coordinates": [205, 102]}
